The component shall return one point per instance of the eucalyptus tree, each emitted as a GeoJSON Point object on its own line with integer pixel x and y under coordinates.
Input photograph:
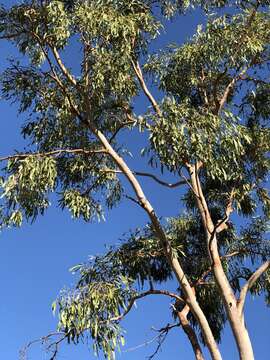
{"type": "Point", "coordinates": [206, 124]}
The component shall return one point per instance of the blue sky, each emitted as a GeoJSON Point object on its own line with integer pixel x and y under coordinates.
{"type": "Point", "coordinates": [35, 259]}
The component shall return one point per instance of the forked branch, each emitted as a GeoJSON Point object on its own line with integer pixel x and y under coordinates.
{"type": "Point", "coordinates": [250, 282]}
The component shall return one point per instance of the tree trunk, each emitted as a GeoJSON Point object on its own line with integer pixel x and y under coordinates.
{"type": "Point", "coordinates": [168, 251]}
{"type": "Point", "coordinates": [229, 300]}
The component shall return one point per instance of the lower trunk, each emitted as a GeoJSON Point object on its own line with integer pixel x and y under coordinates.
{"type": "Point", "coordinates": [241, 335]}
{"type": "Point", "coordinates": [234, 315]}
{"type": "Point", "coordinates": [191, 336]}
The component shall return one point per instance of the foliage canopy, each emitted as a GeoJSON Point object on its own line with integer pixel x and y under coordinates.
{"type": "Point", "coordinates": [209, 129]}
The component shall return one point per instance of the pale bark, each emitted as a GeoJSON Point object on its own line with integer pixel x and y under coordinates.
{"type": "Point", "coordinates": [229, 300]}
{"type": "Point", "coordinates": [168, 251]}
{"type": "Point", "coordinates": [248, 285]}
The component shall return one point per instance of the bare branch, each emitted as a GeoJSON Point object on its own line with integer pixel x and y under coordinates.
{"type": "Point", "coordinates": [163, 332]}
{"type": "Point", "coordinates": [144, 294]}
{"type": "Point", "coordinates": [61, 65]}
{"type": "Point", "coordinates": [161, 182]}
{"type": "Point", "coordinates": [133, 200]}
{"type": "Point", "coordinates": [152, 176]}
{"type": "Point", "coordinates": [248, 285]}
{"type": "Point", "coordinates": [138, 71]}
{"type": "Point", "coordinates": [44, 340]}
{"type": "Point", "coordinates": [160, 337]}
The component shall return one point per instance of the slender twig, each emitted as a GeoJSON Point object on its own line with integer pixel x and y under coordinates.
{"type": "Point", "coordinates": [161, 332]}
{"type": "Point", "coordinates": [42, 340]}
{"type": "Point", "coordinates": [133, 200]}
{"type": "Point", "coordinates": [161, 182]}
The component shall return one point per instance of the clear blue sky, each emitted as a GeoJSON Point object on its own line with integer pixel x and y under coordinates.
{"type": "Point", "coordinates": [35, 259]}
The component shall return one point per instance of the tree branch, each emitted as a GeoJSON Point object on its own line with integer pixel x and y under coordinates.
{"type": "Point", "coordinates": [163, 332]}
{"type": "Point", "coordinates": [61, 65]}
{"type": "Point", "coordinates": [229, 87]}
{"type": "Point", "coordinates": [248, 285]}
{"type": "Point", "coordinates": [152, 176]}
{"type": "Point", "coordinates": [189, 331]}
{"type": "Point", "coordinates": [138, 71]}
{"type": "Point", "coordinates": [160, 337]}
{"type": "Point", "coordinates": [54, 152]}
{"type": "Point", "coordinates": [220, 103]}
{"type": "Point", "coordinates": [42, 340]}
{"type": "Point", "coordinates": [144, 294]}
{"type": "Point", "coordinates": [222, 224]}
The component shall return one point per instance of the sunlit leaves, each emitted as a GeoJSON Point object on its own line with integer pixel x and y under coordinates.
{"type": "Point", "coordinates": [26, 188]}
{"type": "Point", "coordinates": [94, 307]}
{"type": "Point", "coordinates": [80, 205]}
{"type": "Point", "coordinates": [186, 135]}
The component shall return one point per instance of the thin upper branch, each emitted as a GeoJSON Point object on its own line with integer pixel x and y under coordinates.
{"type": "Point", "coordinates": [250, 282]}
{"type": "Point", "coordinates": [138, 72]}
{"type": "Point", "coordinates": [53, 75]}
{"type": "Point", "coordinates": [222, 224]}
{"type": "Point", "coordinates": [220, 103]}
{"type": "Point", "coordinates": [229, 88]}
{"type": "Point", "coordinates": [54, 152]}
{"type": "Point", "coordinates": [61, 65]}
